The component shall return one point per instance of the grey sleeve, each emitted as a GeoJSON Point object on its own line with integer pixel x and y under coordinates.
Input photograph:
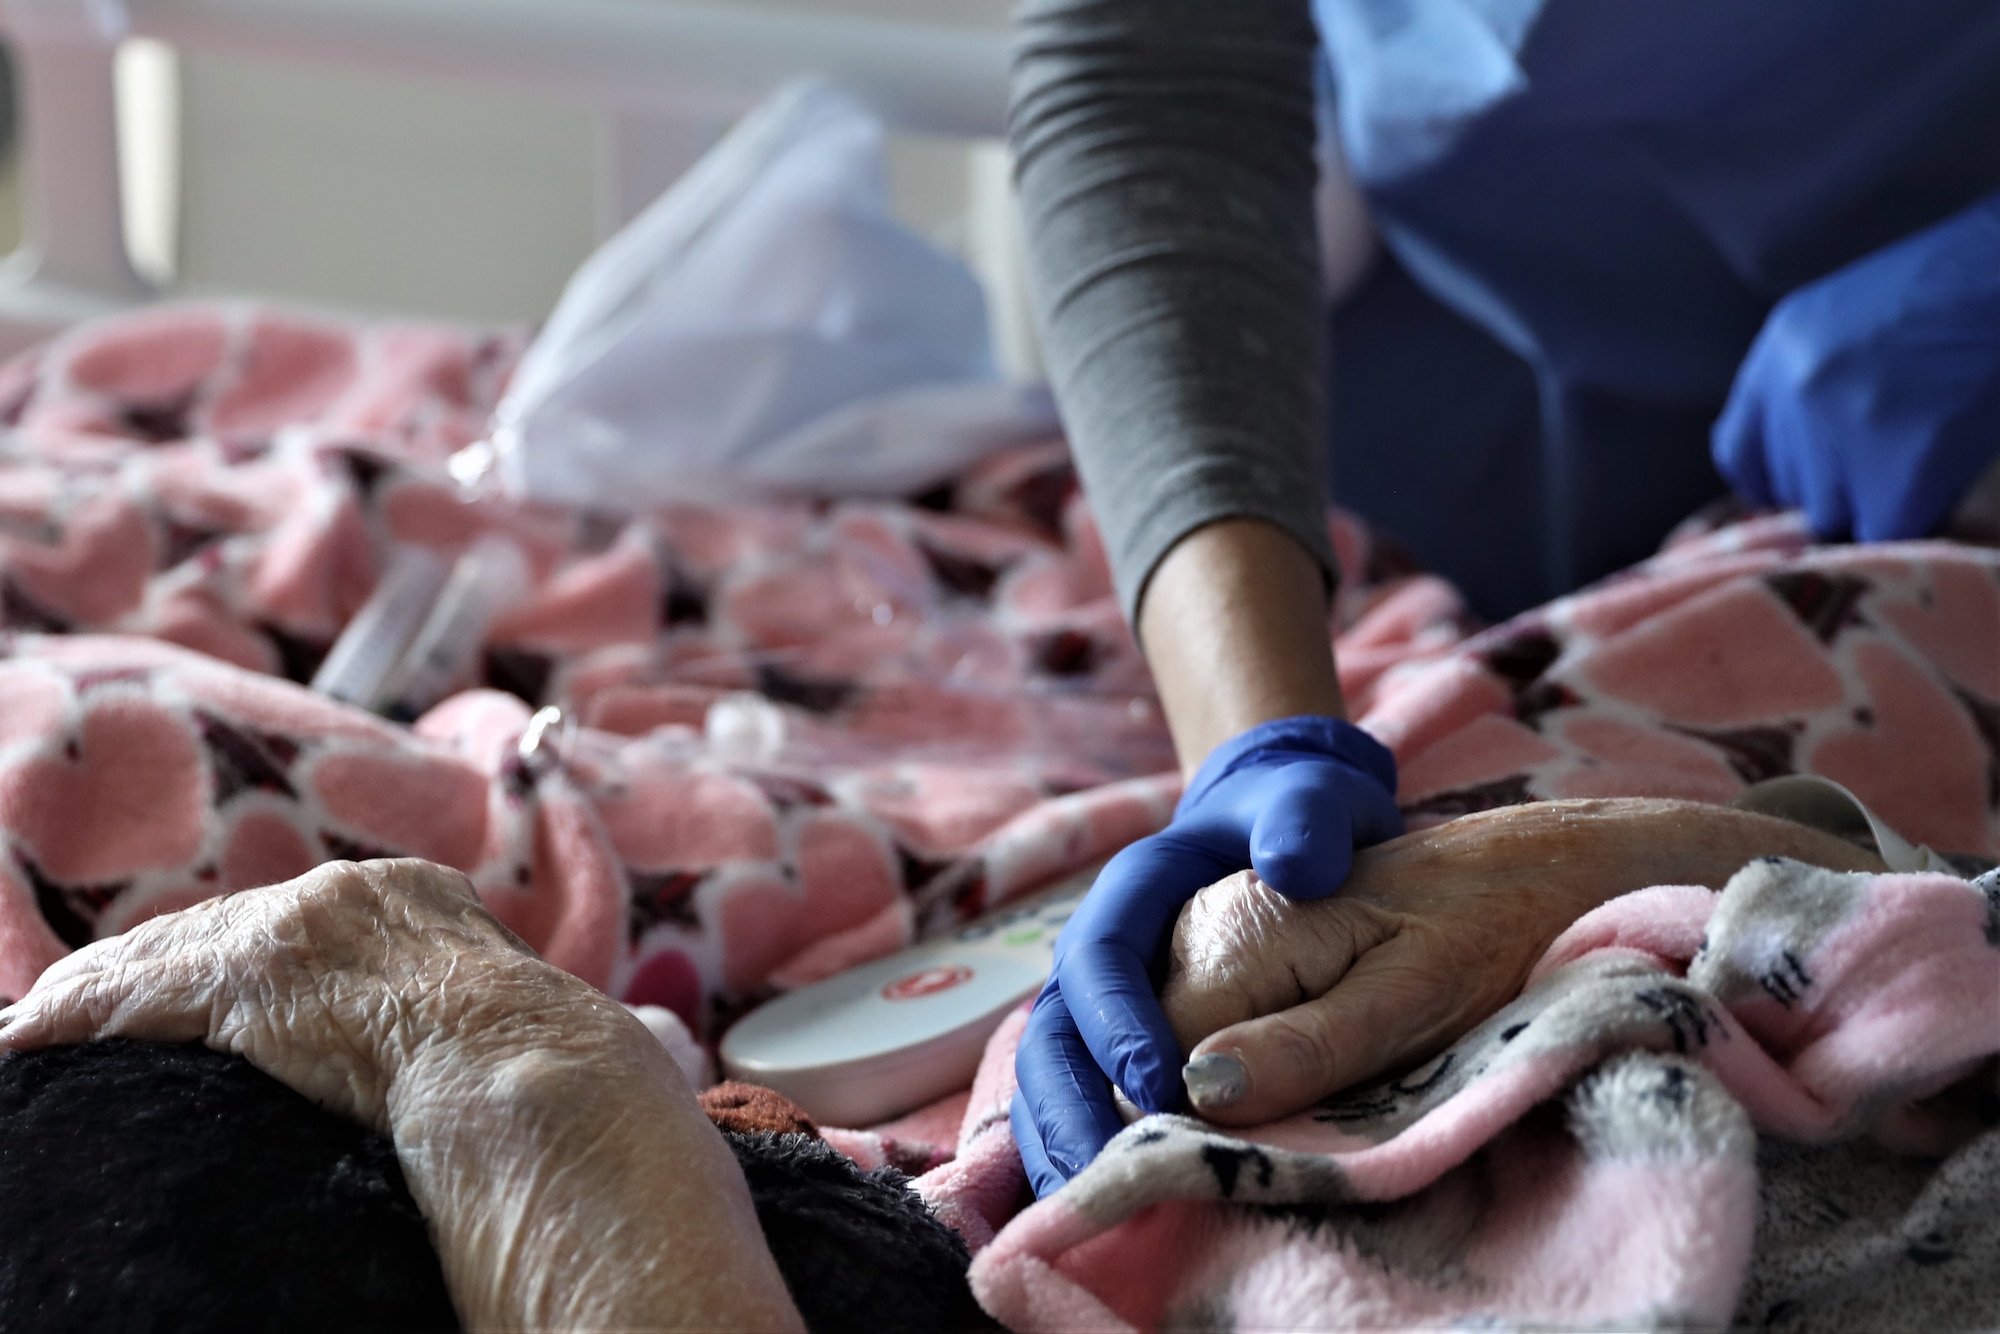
{"type": "Point", "coordinates": [1164, 151]}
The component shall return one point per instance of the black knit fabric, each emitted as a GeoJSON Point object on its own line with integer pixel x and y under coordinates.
{"type": "Point", "coordinates": [145, 1187]}
{"type": "Point", "coordinates": [858, 1250]}
{"type": "Point", "coordinates": [152, 1187]}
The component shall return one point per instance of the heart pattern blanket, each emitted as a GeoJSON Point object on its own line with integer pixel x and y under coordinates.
{"type": "Point", "coordinates": [800, 733]}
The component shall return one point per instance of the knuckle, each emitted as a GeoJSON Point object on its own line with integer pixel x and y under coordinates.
{"type": "Point", "coordinates": [335, 881]}
{"type": "Point", "coordinates": [415, 872]}
{"type": "Point", "coordinates": [1229, 928]}
{"type": "Point", "coordinates": [1194, 1013]}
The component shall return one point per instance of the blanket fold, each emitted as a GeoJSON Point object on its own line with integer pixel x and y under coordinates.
{"type": "Point", "coordinates": [1588, 1158]}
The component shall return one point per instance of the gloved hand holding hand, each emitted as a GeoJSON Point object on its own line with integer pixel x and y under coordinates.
{"type": "Point", "coordinates": [1291, 798]}
{"type": "Point", "coordinates": [1871, 399]}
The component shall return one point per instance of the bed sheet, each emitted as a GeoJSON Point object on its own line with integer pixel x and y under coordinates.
{"type": "Point", "coordinates": [927, 707]}
{"type": "Point", "coordinates": [801, 733]}
{"type": "Point", "coordinates": [797, 733]}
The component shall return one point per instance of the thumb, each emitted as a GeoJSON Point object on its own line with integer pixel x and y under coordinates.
{"type": "Point", "coordinates": [1389, 1012]}
{"type": "Point", "coordinates": [1737, 442]}
{"type": "Point", "coordinates": [1302, 843]}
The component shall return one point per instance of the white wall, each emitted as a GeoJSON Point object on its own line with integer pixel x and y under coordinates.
{"type": "Point", "coordinates": [386, 193]}
{"type": "Point", "coordinates": [380, 193]}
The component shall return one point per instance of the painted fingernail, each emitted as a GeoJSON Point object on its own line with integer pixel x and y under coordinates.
{"type": "Point", "coordinates": [1215, 1080]}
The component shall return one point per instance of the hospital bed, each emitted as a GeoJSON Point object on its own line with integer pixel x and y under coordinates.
{"type": "Point", "coordinates": [662, 77]}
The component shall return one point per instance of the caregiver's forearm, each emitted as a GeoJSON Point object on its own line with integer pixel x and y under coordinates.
{"type": "Point", "coordinates": [1165, 158]}
{"type": "Point", "coordinates": [584, 1196]}
{"type": "Point", "coordinates": [1235, 629]}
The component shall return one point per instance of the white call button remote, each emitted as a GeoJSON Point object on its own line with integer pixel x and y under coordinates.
{"type": "Point", "coordinates": [887, 1037]}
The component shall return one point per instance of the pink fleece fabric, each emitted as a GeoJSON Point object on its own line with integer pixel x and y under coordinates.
{"type": "Point", "coordinates": [1584, 1159]}
{"type": "Point", "coordinates": [960, 714]}
{"type": "Point", "coordinates": [197, 502]}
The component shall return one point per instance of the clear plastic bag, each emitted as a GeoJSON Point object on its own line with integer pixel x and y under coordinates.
{"type": "Point", "coordinates": [767, 324]}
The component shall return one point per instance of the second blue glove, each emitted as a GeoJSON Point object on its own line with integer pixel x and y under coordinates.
{"type": "Point", "coordinates": [1871, 400]}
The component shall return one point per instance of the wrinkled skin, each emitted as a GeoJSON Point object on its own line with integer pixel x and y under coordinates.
{"type": "Point", "coordinates": [569, 1176]}
{"type": "Point", "coordinates": [1432, 933]}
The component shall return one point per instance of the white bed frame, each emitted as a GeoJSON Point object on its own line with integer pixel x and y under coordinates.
{"type": "Point", "coordinates": [637, 59]}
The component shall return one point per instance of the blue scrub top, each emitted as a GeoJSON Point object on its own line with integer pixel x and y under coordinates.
{"type": "Point", "coordinates": [1618, 191]}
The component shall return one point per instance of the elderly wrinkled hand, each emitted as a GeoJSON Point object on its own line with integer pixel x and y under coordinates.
{"type": "Point", "coordinates": [1281, 1003]}
{"type": "Point", "coordinates": [364, 987]}
{"type": "Point", "coordinates": [569, 1177]}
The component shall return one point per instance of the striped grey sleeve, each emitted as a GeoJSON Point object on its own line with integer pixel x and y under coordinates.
{"type": "Point", "coordinates": [1165, 158]}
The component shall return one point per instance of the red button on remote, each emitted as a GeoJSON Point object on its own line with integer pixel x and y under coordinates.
{"type": "Point", "coordinates": [929, 982]}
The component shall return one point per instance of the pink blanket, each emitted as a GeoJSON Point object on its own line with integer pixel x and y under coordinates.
{"type": "Point", "coordinates": [801, 733]}
{"type": "Point", "coordinates": [1588, 1158]}
{"type": "Point", "coordinates": [924, 709]}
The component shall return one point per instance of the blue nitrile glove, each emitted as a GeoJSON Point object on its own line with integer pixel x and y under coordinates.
{"type": "Point", "coordinates": [1291, 798]}
{"type": "Point", "coordinates": [1871, 399]}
